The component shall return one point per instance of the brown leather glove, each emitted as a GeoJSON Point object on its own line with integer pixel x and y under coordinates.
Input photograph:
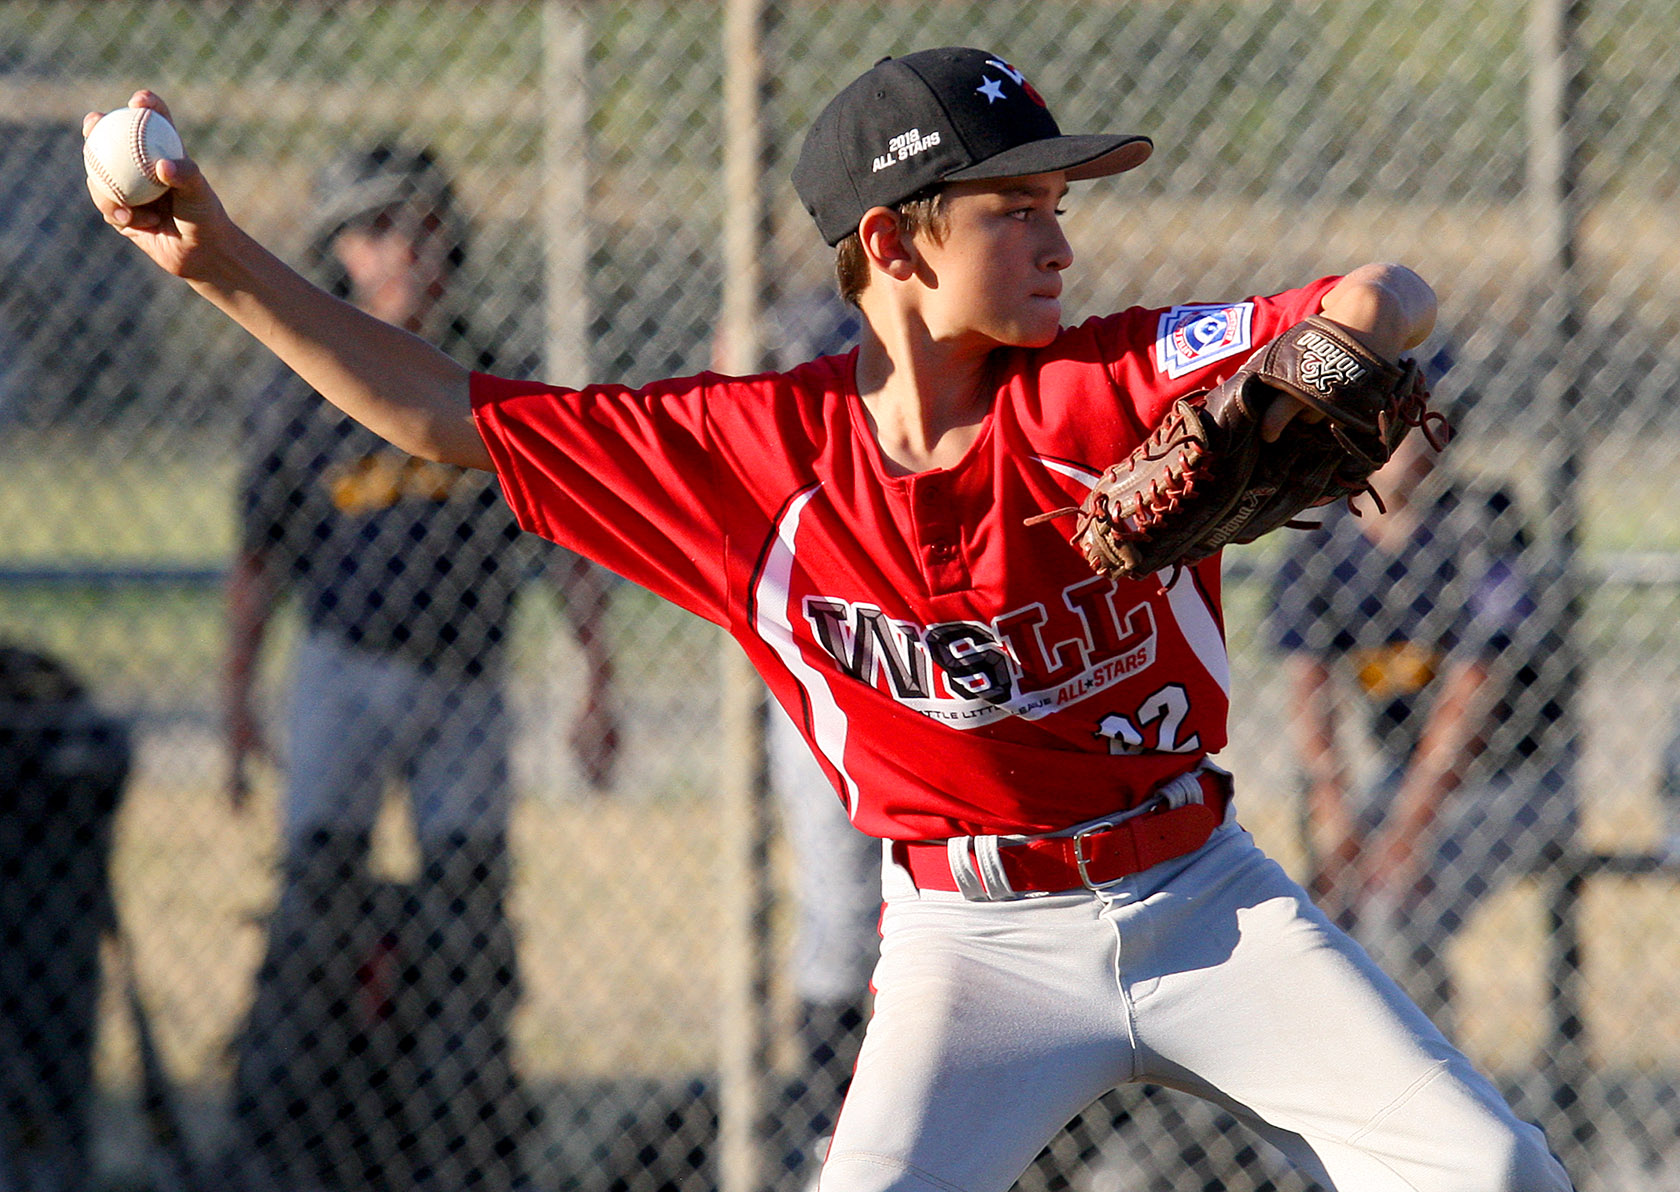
{"type": "Point", "coordinates": [1206, 478]}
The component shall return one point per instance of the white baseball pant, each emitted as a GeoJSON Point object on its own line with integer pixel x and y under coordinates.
{"type": "Point", "coordinates": [995, 1023]}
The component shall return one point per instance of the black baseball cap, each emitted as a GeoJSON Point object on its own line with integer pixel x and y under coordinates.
{"type": "Point", "coordinates": [945, 115]}
{"type": "Point", "coordinates": [363, 182]}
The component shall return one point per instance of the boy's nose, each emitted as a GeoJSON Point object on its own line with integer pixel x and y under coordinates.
{"type": "Point", "coordinates": [1059, 254]}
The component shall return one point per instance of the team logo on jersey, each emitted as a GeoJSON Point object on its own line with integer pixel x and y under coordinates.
{"type": "Point", "coordinates": [1192, 337]}
{"type": "Point", "coordinates": [1029, 662]}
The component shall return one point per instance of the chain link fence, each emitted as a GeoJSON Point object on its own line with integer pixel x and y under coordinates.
{"type": "Point", "coordinates": [388, 974]}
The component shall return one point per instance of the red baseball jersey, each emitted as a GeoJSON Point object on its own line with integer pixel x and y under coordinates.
{"type": "Point", "coordinates": [956, 671]}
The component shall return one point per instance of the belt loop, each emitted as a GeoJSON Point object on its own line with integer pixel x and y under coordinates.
{"type": "Point", "coordinates": [962, 868]}
{"type": "Point", "coordinates": [990, 862]}
{"type": "Point", "coordinates": [1183, 790]}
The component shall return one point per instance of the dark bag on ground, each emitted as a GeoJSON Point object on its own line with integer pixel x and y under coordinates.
{"type": "Point", "coordinates": [63, 764]}
{"type": "Point", "coordinates": [376, 1055]}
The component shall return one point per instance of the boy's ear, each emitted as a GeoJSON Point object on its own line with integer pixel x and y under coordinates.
{"type": "Point", "coordinates": [885, 245]}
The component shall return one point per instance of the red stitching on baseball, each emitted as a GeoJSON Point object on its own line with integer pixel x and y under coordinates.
{"type": "Point", "coordinates": [139, 134]}
{"type": "Point", "coordinates": [97, 168]}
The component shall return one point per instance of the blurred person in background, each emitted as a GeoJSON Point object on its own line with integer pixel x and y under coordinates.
{"type": "Point", "coordinates": [1428, 623]}
{"type": "Point", "coordinates": [377, 1052]}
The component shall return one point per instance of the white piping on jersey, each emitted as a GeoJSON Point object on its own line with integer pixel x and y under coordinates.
{"type": "Point", "coordinates": [1072, 471]}
{"type": "Point", "coordinates": [772, 596]}
{"type": "Point", "coordinates": [1188, 608]}
{"type": "Point", "coordinates": [1199, 627]}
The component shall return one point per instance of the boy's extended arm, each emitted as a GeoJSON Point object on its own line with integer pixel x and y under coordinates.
{"type": "Point", "coordinates": [396, 384]}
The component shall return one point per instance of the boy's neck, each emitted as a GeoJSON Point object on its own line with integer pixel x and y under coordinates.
{"type": "Point", "coordinates": [927, 401]}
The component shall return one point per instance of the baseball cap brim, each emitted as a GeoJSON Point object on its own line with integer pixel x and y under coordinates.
{"type": "Point", "coordinates": [365, 197]}
{"type": "Point", "coordinates": [1081, 157]}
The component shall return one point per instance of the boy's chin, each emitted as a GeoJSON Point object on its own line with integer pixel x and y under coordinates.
{"type": "Point", "coordinates": [1040, 323]}
{"type": "Point", "coordinates": [1034, 336]}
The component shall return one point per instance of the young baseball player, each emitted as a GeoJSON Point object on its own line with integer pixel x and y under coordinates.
{"type": "Point", "coordinates": [1070, 904]}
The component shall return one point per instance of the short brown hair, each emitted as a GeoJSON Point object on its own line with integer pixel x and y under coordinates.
{"type": "Point", "coordinates": [923, 211]}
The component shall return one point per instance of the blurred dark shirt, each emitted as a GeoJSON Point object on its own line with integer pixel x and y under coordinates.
{"type": "Point", "coordinates": [1462, 587]}
{"type": "Point", "coordinates": [389, 553]}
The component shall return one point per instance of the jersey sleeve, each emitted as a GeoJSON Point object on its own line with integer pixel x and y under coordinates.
{"type": "Point", "coordinates": [624, 477]}
{"type": "Point", "coordinates": [1157, 355]}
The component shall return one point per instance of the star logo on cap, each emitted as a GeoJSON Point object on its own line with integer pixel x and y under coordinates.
{"type": "Point", "coordinates": [992, 89]}
{"type": "Point", "coordinates": [1020, 81]}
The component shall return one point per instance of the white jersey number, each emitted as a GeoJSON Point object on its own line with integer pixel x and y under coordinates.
{"type": "Point", "coordinates": [1164, 712]}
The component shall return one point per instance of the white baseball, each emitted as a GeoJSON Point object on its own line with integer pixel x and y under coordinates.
{"type": "Point", "coordinates": [122, 152]}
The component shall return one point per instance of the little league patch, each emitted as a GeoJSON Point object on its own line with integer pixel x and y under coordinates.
{"type": "Point", "coordinates": [1192, 337]}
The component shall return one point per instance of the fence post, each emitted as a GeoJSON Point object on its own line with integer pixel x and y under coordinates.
{"type": "Point", "coordinates": [748, 893]}
{"type": "Point", "coordinates": [1556, 70]}
{"type": "Point", "coordinates": [1571, 1128]}
{"type": "Point", "coordinates": [565, 208]}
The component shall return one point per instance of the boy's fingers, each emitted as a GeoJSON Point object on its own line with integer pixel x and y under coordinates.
{"type": "Point", "coordinates": [189, 195]}
{"type": "Point", "coordinates": [185, 198]}
{"type": "Point", "coordinates": [147, 98]}
{"type": "Point", "coordinates": [1277, 416]}
{"type": "Point", "coordinates": [179, 173]}
{"type": "Point", "coordinates": [89, 121]}
{"type": "Point", "coordinates": [109, 208]}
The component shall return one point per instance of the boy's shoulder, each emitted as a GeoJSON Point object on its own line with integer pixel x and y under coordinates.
{"type": "Point", "coordinates": [833, 373]}
{"type": "Point", "coordinates": [787, 403]}
{"type": "Point", "coordinates": [816, 379]}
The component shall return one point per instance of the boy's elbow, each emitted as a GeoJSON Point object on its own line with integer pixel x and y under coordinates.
{"type": "Point", "coordinates": [437, 423]}
{"type": "Point", "coordinates": [442, 440]}
{"type": "Point", "coordinates": [1415, 299]}
{"type": "Point", "coordinates": [1391, 304]}
{"type": "Point", "coordinates": [464, 447]}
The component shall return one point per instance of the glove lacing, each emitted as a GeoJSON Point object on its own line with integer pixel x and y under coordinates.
{"type": "Point", "coordinates": [1164, 494]}
{"type": "Point", "coordinates": [1411, 409]}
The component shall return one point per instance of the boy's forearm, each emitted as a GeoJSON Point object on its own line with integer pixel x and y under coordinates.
{"type": "Point", "coordinates": [399, 386]}
{"type": "Point", "coordinates": [1389, 307]}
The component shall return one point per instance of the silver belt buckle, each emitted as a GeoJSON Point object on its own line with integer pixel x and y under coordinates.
{"type": "Point", "coordinates": [1153, 803]}
{"type": "Point", "coordinates": [1079, 848]}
